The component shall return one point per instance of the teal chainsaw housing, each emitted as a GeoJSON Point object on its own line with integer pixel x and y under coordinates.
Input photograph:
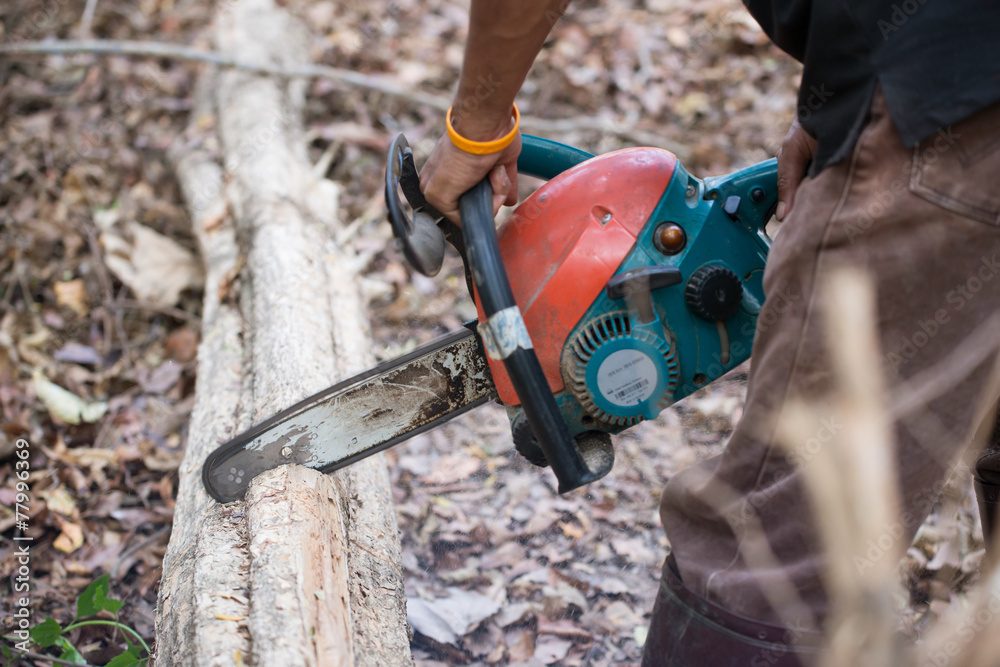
{"type": "Point", "coordinates": [646, 286]}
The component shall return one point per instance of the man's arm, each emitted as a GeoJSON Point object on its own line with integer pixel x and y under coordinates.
{"type": "Point", "coordinates": [504, 39]}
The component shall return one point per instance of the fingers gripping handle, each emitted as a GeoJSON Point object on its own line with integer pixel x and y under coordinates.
{"type": "Point", "coordinates": [514, 344]}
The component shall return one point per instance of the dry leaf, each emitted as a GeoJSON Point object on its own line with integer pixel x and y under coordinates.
{"type": "Point", "coordinates": [77, 353]}
{"type": "Point", "coordinates": [550, 649]}
{"type": "Point", "coordinates": [518, 612]}
{"type": "Point", "coordinates": [6, 448]}
{"type": "Point", "coordinates": [156, 268]}
{"type": "Point", "coordinates": [66, 405]}
{"type": "Point", "coordinates": [76, 567]}
{"type": "Point", "coordinates": [89, 457]}
{"type": "Point", "coordinates": [571, 529]}
{"type": "Point", "coordinates": [446, 619]}
{"type": "Point", "coordinates": [160, 379]}
{"type": "Point", "coordinates": [521, 647]}
{"type": "Point", "coordinates": [453, 468]}
{"type": "Point", "coordinates": [73, 295]}
{"type": "Point", "coordinates": [562, 599]}
{"type": "Point", "coordinates": [60, 501]}
{"type": "Point", "coordinates": [162, 456]}
{"type": "Point", "coordinates": [612, 586]}
{"type": "Point", "coordinates": [70, 539]}
{"type": "Point", "coordinates": [562, 628]}
{"type": "Point", "coordinates": [137, 517]}
{"type": "Point", "coordinates": [634, 550]}
{"type": "Point", "coordinates": [182, 344]}
{"type": "Point", "coordinates": [620, 616]}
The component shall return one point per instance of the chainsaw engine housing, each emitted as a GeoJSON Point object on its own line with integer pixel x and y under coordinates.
{"type": "Point", "coordinates": [638, 283]}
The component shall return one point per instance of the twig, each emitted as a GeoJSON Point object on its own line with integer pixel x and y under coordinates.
{"type": "Point", "coordinates": [42, 656]}
{"type": "Point", "coordinates": [8, 293]}
{"type": "Point", "coordinates": [312, 71]}
{"type": "Point", "coordinates": [169, 311]}
{"type": "Point", "coordinates": [180, 51]}
{"type": "Point", "coordinates": [128, 551]}
{"type": "Point", "coordinates": [107, 291]}
{"type": "Point", "coordinates": [22, 280]}
{"type": "Point", "coordinates": [326, 159]}
{"type": "Point", "coordinates": [88, 17]}
{"type": "Point", "coordinates": [852, 482]}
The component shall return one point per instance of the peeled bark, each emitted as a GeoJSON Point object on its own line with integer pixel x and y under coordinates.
{"type": "Point", "coordinates": [306, 570]}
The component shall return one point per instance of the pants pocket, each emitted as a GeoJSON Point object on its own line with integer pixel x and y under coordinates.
{"type": "Point", "coordinates": [959, 167]}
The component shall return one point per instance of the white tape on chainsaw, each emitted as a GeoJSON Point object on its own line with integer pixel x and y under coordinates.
{"type": "Point", "coordinates": [503, 333]}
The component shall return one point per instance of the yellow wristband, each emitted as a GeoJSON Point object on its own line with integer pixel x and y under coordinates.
{"type": "Point", "coordinates": [483, 147]}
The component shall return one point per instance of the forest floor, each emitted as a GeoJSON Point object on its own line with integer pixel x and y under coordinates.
{"type": "Point", "coordinates": [89, 208]}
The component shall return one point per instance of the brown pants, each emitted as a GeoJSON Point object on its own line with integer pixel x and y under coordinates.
{"type": "Point", "coordinates": [926, 223]}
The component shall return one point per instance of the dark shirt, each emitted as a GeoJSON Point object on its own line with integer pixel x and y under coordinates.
{"type": "Point", "coordinates": [937, 62]}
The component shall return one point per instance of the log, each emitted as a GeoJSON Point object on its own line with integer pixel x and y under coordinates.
{"type": "Point", "coordinates": [306, 570]}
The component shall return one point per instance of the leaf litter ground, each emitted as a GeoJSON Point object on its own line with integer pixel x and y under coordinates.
{"type": "Point", "coordinates": [500, 569]}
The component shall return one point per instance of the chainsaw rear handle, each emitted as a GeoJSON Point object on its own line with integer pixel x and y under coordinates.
{"type": "Point", "coordinates": [506, 337]}
{"type": "Point", "coordinates": [546, 159]}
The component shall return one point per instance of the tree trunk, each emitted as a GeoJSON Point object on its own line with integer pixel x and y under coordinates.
{"type": "Point", "coordinates": [306, 570]}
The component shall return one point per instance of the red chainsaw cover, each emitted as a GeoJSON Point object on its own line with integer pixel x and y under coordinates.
{"type": "Point", "coordinates": [564, 242]}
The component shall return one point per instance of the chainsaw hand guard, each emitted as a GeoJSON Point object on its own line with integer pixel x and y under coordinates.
{"type": "Point", "coordinates": [421, 240]}
{"type": "Point", "coordinates": [506, 338]}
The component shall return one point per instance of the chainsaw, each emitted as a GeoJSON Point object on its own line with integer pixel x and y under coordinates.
{"type": "Point", "coordinates": [620, 286]}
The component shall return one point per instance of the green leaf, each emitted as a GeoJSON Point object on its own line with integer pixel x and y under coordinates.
{"type": "Point", "coordinates": [6, 651]}
{"type": "Point", "coordinates": [126, 659]}
{"type": "Point", "coordinates": [95, 598]}
{"type": "Point", "coordinates": [69, 651]}
{"type": "Point", "coordinates": [134, 649]}
{"type": "Point", "coordinates": [86, 604]}
{"type": "Point", "coordinates": [46, 633]}
{"type": "Point", "coordinates": [108, 604]}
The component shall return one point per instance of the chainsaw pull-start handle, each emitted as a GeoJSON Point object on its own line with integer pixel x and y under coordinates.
{"type": "Point", "coordinates": [505, 336]}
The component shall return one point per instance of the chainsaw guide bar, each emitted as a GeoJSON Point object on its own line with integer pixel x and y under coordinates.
{"type": "Point", "coordinates": [360, 416]}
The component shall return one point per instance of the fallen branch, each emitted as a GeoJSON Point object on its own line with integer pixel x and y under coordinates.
{"type": "Point", "coordinates": [306, 571]}
{"type": "Point", "coordinates": [182, 52]}
{"type": "Point", "coordinates": [374, 83]}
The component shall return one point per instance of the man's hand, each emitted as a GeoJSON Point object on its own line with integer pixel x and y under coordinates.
{"type": "Point", "coordinates": [449, 172]}
{"type": "Point", "coordinates": [796, 151]}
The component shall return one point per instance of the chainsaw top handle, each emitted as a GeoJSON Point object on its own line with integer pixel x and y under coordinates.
{"type": "Point", "coordinates": [506, 338]}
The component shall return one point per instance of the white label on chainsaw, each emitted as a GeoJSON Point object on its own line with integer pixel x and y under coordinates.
{"type": "Point", "coordinates": [627, 377]}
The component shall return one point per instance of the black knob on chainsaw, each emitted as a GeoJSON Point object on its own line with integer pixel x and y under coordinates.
{"type": "Point", "coordinates": [714, 292]}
